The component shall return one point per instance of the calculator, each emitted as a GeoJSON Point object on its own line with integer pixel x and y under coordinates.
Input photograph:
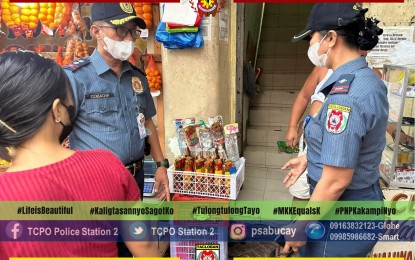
{"type": "Point", "coordinates": [149, 187]}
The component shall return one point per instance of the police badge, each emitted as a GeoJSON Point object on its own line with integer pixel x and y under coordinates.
{"type": "Point", "coordinates": [136, 85]}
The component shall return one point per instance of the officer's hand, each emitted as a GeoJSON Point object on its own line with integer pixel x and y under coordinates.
{"type": "Point", "coordinates": [297, 167]}
{"type": "Point", "coordinates": [162, 184]}
{"type": "Point", "coordinates": [291, 139]}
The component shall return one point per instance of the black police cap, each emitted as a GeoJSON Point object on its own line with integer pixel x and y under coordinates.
{"type": "Point", "coordinates": [116, 14]}
{"type": "Point", "coordinates": [329, 16]}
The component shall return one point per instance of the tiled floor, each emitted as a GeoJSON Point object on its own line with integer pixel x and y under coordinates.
{"type": "Point", "coordinates": [263, 183]}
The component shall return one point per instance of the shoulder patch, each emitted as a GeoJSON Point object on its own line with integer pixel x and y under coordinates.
{"type": "Point", "coordinates": [76, 64]}
{"type": "Point", "coordinates": [342, 85]}
{"type": "Point", "coordinates": [337, 117]}
{"type": "Point", "coordinates": [138, 69]}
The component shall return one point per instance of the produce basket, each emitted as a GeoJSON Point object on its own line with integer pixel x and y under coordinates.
{"type": "Point", "coordinates": [207, 184]}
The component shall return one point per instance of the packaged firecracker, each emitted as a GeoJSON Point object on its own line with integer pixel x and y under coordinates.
{"type": "Point", "coordinates": [179, 163]}
{"type": "Point", "coordinates": [221, 152]}
{"type": "Point", "coordinates": [227, 181]}
{"type": "Point", "coordinates": [209, 165]}
{"type": "Point", "coordinates": [205, 138]}
{"type": "Point", "coordinates": [216, 129]}
{"type": "Point", "coordinates": [228, 166]}
{"type": "Point", "coordinates": [231, 142]}
{"type": "Point", "coordinates": [200, 170]}
{"type": "Point", "coordinates": [190, 130]}
{"type": "Point", "coordinates": [199, 162]}
{"type": "Point", "coordinates": [180, 134]}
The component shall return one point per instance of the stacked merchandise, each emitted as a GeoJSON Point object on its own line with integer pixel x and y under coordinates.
{"type": "Point", "coordinates": [209, 166]}
{"type": "Point", "coordinates": [180, 26]}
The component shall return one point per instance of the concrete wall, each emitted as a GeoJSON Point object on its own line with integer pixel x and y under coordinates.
{"type": "Point", "coordinates": [199, 82]}
{"type": "Point", "coordinates": [393, 14]}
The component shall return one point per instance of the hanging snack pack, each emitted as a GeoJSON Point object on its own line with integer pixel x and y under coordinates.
{"type": "Point", "coordinates": [216, 130]}
{"type": "Point", "coordinates": [180, 134]}
{"type": "Point", "coordinates": [231, 142]}
{"type": "Point", "coordinates": [190, 130]}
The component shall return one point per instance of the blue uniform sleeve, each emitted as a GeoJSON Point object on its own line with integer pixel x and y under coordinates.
{"type": "Point", "coordinates": [150, 109]}
{"type": "Point", "coordinates": [344, 122]}
{"type": "Point", "coordinates": [75, 90]}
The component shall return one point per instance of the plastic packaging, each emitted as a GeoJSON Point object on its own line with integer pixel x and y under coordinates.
{"type": "Point", "coordinates": [192, 140]}
{"type": "Point", "coordinates": [231, 141]}
{"type": "Point", "coordinates": [216, 130]}
{"type": "Point", "coordinates": [403, 53]}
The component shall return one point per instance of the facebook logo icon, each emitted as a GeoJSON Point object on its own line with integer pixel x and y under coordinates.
{"type": "Point", "coordinates": [14, 230]}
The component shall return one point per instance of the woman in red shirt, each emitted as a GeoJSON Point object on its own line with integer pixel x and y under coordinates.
{"type": "Point", "coordinates": [36, 115]}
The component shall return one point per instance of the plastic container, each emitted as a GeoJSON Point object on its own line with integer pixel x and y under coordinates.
{"type": "Point", "coordinates": [185, 247]}
{"type": "Point", "coordinates": [207, 185]}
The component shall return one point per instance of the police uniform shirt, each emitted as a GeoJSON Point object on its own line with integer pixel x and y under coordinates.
{"type": "Point", "coordinates": [106, 107]}
{"type": "Point", "coordinates": [349, 130]}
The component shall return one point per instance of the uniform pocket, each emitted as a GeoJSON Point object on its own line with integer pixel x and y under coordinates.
{"type": "Point", "coordinates": [102, 114]}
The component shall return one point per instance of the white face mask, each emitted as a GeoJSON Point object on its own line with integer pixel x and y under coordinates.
{"type": "Point", "coordinates": [317, 60]}
{"type": "Point", "coordinates": [120, 50]}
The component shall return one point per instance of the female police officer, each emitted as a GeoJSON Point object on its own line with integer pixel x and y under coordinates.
{"type": "Point", "coordinates": [346, 138]}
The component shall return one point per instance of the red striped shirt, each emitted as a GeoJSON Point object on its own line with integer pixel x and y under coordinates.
{"type": "Point", "coordinates": [94, 175]}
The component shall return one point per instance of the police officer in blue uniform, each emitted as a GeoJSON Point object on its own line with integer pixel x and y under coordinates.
{"type": "Point", "coordinates": [346, 138]}
{"type": "Point", "coordinates": [113, 103]}
{"type": "Point", "coordinates": [114, 107]}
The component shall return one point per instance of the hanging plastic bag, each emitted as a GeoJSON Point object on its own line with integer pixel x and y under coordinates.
{"type": "Point", "coordinates": [403, 53]}
{"type": "Point", "coordinates": [153, 74]}
{"type": "Point", "coordinates": [178, 40]}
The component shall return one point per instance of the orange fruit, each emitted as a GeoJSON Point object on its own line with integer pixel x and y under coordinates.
{"type": "Point", "coordinates": [42, 17]}
{"type": "Point", "coordinates": [148, 16]}
{"type": "Point", "coordinates": [138, 4]}
{"type": "Point", "coordinates": [34, 12]}
{"type": "Point", "coordinates": [25, 11]}
{"type": "Point", "coordinates": [33, 18]}
{"type": "Point", "coordinates": [51, 11]}
{"type": "Point", "coordinates": [15, 16]}
{"type": "Point", "coordinates": [10, 23]}
{"type": "Point", "coordinates": [14, 9]}
{"type": "Point", "coordinates": [32, 25]}
{"type": "Point", "coordinates": [17, 21]}
{"type": "Point", "coordinates": [139, 10]}
{"type": "Point", "coordinates": [148, 23]}
{"type": "Point", "coordinates": [43, 5]}
{"type": "Point", "coordinates": [7, 18]}
{"type": "Point", "coordinates": [52, 25]}
{"type": "Point", "coordinates": [6, 11]}
{"type": "Point", "coordinates": [43, 10]}
{"type": "Point", "coordinates": [24, 18]}
{"type": "Point", "coordinates": [140, 16]}
{"type": "Point", "coordinates": [52, 5]}
{"type": "Point", "coordinates": [58, 10]}
{"type": "Point", "coordinates": [5, 5]}
{"type": "Point", "coordinates": [147, 8]}
{"type": "Point", "coordinates": [50, 18]}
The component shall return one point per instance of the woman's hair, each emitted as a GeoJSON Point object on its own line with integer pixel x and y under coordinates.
{"type": "Point", "coordinates": [362, 33]}
{"type": "Point", "coordinates": [29, 83]}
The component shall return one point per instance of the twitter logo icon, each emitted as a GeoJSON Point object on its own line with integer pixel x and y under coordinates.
{"type": "Point", "coordinates": [138, 230]}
